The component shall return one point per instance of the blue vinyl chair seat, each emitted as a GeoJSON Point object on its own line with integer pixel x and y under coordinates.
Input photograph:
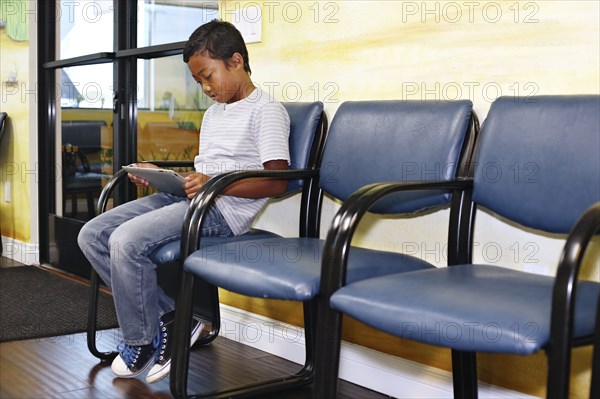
{"type": "Point", "coordinates": [287, 268]}
{"type": "Point", "coordinates": [171, 252]}
{"type": "Point", "coordinates": [466, 307]}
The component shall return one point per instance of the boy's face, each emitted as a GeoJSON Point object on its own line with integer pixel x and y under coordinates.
{"type": "Point", "coordinates": [220, 81]}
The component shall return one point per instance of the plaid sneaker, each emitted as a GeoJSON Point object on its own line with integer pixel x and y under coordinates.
{"type": "Point", "coordinates": [134, 360]}
{"type": "Point", "coordinates": [163, 355]}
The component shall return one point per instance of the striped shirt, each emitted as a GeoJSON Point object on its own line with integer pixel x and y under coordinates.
{"type": "Point", "coordinates": [242, 136]}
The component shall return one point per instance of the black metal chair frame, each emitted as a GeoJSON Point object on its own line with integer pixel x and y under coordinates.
{"type": "Point", "coordinates": [460, 240]}
{"type": "Point", "coordinates": [119, 177]}
{"type": "Point", "coordinates": [335, 254]}
{"type": "Point", "coordinates": [309, 221]}
{"type": "Point", "coordinates": [310, 212]}
{"type": "Point", "coordinates": [313, 310]}
{"type": "Point", "coordinates": [337, 248]}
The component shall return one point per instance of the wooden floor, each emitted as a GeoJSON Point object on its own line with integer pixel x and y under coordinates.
{"type": "Point", "coordinates": [62, 367]}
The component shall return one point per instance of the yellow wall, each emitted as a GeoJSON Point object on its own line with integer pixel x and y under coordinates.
{"type": "Point", "coordinates": [16, 167]}
{"type": "Point", "coordinates": [336, 51]}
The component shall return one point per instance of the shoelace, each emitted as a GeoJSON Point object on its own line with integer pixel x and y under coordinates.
{"type": "Point", "coordinates": [130, 353]}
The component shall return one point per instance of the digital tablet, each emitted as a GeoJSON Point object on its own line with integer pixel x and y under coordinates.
{"type": "Point", "coordinates": [164, 180]}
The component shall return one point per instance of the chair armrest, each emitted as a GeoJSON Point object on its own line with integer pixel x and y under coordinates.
{"type": "Point", "coordinates": [108, 189]}
{"type": "Point", "coordinates": [565, 285]}
{"type": "Point", "coordinates": [120, 175]}
{"type": "Point", "coordinates": [346, 220]}
{"type": "Point", "coordinates": [190, 238]}
{"type": "Point", "coordinates": [579, 238]}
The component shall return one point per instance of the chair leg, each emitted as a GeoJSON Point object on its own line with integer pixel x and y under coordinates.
{"type": "Point", "coordinates": [90, 204]}
{"type": "Point", "coordinates": [74, 209]}
{"type": "Point", "coordinates": [559, 360]}
{"type": "Point", "coordinates": [180, 357]}
{"type": "Point", "coordinates": [310, 336]}
{"type": "Point", "coordinates": [64, 203]}
{"type": "Point", "coordinates": [464, 374]}
{"type": "Point", "coordinates": [208, 296]}
{"type": "Point", "coordinates": [559, 371]}
{"type": "Point", "coordinates": [92, 319]}
{"type": "Point", "coordinates": [181, 353]}
{"type": "Point", "coordinates": [595, 386]}
{"type": "Point", "coordinates": [327, 362]}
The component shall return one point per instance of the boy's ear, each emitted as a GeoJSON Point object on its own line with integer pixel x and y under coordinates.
{"type": "Point", "coordinates": [236, 61]}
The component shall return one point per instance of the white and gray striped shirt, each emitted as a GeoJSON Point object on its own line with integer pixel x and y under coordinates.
{"type": "Point", "coordinates": [242, 136]}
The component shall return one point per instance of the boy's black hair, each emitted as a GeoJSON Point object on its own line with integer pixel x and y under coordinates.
{"type": "Point", "coordinates": [220, 39]}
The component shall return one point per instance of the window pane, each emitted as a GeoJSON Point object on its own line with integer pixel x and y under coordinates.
{"type": "Point", "coordinates": [88, 86]}
{"type": "Point", "coordinates": [167, 21]}
{"type": "Point", "coordinates": [86, 27]}
{"type": "Point", "coordinates": [86, 137]}
{"type": "Point", "coordinates": [166, 84]}
{"type": "Point", "coordinates": [170, 110]}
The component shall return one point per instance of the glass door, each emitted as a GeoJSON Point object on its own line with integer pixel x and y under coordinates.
{"type": "Point", "coordinates": [117, 92]}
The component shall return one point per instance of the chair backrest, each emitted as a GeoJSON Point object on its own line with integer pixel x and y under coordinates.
{"type": "Point", "coordinates": [87, 135]}
{"type": "Point", "coordinates": [306, 130]}
{"type": "Point", "coordinates": [379, 141]}
{"type": "Point", "coordinates": [538, 160]}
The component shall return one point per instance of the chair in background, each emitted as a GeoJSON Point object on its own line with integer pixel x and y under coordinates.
{"type": "Point", "coordinates": [308, 126]}
{"type": "Point", "coordinates": [81, 140]}
{"type": "Point", "coordinates": [536, 164]}
{"type": "Point", "coordinates": [367, 142]}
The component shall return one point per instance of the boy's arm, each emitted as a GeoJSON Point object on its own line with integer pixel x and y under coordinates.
{"type": "Point", "coordinates": [248, 188]}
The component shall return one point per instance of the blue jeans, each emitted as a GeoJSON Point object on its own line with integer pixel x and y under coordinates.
{"type": "Point", "coordinates": [118, 244]}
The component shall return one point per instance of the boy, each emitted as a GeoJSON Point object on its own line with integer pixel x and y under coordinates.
{"type": "Point", "coordinates": [244, 129]}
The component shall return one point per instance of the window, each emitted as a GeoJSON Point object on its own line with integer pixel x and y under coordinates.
{"type": "Point", "coordinates": [168, 21]}
{"type": "Point", "coordinates": [86, 27]}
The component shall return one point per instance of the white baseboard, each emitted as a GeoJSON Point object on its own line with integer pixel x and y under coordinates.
{"type": "Point", "coordinates": [390, 375]}
{"type": "Point", "coordinates": [26, 253]}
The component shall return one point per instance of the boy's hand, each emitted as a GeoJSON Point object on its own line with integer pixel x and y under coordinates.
{"type": "Point", "coordinates": [138, 181]}
{"type": "Point", "coordinates": [195, 181]}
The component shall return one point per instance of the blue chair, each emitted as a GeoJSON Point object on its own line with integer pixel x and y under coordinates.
{"type": "Point", "coordinates": [367, 142]}
{"type": "Point", "coordinates": [307, 134]}
{"type": "Point", "coordinates": [554, 142]}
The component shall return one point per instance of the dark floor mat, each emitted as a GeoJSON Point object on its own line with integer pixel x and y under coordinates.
{"type": "Point", "coordinates": [36, 303]}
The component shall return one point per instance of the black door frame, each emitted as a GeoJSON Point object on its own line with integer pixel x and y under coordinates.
{"type": "Point", "coordinates": [124, 60]}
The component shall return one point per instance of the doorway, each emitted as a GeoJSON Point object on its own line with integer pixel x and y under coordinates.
{"type": "Point", "coordinates": [116, 92]}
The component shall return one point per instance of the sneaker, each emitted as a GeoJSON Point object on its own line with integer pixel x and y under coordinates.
{"type": "Point", "coordinates": [163, 355]}
{"type": "Point", "coordinates": [134, 360]}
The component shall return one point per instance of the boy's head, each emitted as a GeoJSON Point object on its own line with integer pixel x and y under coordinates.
{"type": "Point", "coordinates": [219, 40]}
